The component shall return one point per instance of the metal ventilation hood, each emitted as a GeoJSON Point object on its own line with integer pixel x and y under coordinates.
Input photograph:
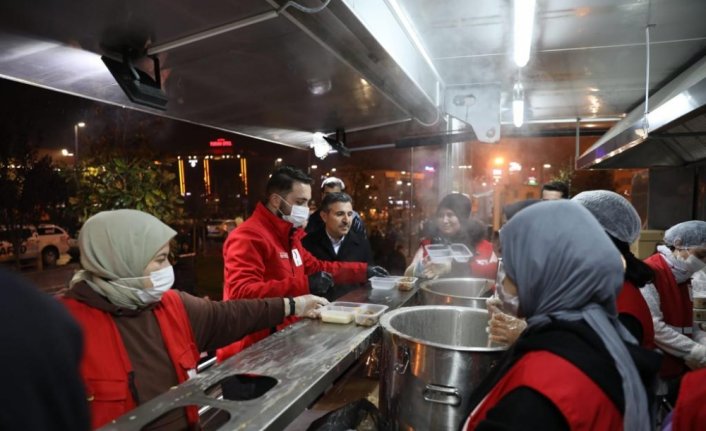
{"type": "Point", "coordinates": [672, 134]}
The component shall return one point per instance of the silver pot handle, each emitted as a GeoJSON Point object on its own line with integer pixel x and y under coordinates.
{"type": "Point", "coordinates": [442, 395]}
{"type": "Point", "coordinates": [401, 368]}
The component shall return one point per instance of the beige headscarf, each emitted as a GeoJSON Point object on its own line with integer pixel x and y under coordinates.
{"type": "Point", "coordinates": [116, 247]}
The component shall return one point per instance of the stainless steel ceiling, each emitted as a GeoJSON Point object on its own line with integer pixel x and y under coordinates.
{"type": "Point", "coordinates": [588, 59]}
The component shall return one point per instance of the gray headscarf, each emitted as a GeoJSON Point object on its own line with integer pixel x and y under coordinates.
{"type": "Point", "coordinates": [116, 247]}
{"type": "Point", "coordinates": [567, 268]}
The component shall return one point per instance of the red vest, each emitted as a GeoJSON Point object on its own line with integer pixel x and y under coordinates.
{"type": "Point", "coordinates": [106, 367]}
{"type": "Point", "coordinates": [582, 402]}
{"type": "Point", "coordinates": [631, 301]}
{"type": "Point", "coordinates": [677, 310]}
{"type": "Point", "coordinates": [690, 413]}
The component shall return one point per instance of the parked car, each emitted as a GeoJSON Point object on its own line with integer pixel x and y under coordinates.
{"type": "Point", "coordinates": [46, 240]}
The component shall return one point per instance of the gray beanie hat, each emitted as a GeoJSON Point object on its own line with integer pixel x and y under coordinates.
{"type": "Point", "coordinates": [687, 234]}
{"type": "Point", "coordinates": [615, 213]}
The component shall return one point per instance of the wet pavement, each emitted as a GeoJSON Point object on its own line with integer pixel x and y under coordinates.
{"type": "Point", "coordinates": [52, 280]}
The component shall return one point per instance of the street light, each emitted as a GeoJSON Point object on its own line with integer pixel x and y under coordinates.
{"type": "Point", "coordinates": [76, 126]}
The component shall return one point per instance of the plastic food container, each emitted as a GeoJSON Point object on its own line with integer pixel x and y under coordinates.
{"type": "Point", "coordinates": [369, 314]}
{"type": "Point", "coordinates": [460, 252]}
{"type": "Point", "coordinates": [439, 253]}
{"type": "Point", "coordinates": [383, 283]}
{"type": "Point", "coordinates": [405, 283]}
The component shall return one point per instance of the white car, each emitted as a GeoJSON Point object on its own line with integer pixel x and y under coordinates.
{"type": "Point", "coordinates": [46, 240]}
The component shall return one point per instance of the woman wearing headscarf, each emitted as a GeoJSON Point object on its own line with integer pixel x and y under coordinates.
{"type": "Point", "coordinates": [575, 366]}
{"type": "Point", "coordinates": [141, 337]}
{"type": "Point", "coordinates": [453, 224]}
{"type": "Point", "coordinates": [622, 224]}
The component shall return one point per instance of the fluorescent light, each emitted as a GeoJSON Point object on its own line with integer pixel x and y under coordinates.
{"type": "Point", "coordinates": [518, 105]}
{"type": "Point", "coordinates": [524, 25]}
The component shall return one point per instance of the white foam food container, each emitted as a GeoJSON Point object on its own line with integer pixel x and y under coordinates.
{"type": "Point", "coordinates": [460, 252]}
{"type": "Point", "coordinates": [439, 253]}
{"type": "Point", "coordinates": [339, 312]}
{"type": "Point", "coordinates": [369, 314]}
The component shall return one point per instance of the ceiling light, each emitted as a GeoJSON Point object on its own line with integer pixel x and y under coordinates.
{"type": "Point", "coordinates": [320, 145]}
{"type": "Point", "coordinates": [518, 105]}
{"type": "Point", "coordinates": [524, 26]}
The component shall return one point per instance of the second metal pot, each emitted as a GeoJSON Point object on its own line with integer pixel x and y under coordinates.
{"type": "Point", "coordinates": [463, 292]}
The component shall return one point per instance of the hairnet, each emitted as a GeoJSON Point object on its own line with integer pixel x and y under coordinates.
{"type": "Point", "coordinates": [565, 273]}
{"type": "Point", "coordinates": [687, 234]}
{"type": "Point", "coordinates": [615, 213]}
{"type": "Point", "coordinates": [332, 182]}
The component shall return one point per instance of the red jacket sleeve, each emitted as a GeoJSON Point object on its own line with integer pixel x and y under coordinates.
{"type": "Point", "coordinates": [245, 273]}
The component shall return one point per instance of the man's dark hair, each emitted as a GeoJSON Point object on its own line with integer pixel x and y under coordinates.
{"type": "Point", "coordinates": [283, 179]}
{"type": "Point", "coordinates": [332, 198]}
{"type": "Point", "coordinates": [557, 186]}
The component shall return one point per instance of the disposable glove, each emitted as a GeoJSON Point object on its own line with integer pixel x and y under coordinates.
{"type": "Point", "coordinates": [435, 270]}
{"type": "Point", "coordinates": [697, 357]}
{"type": "Point", "coordinates": [308, 305]}
{"type": "Point", "coordinates": [376, 271]}
{"type": "Point", "coordinates": [504, 328]}
{"type": "Point", "coordinates": [320, 283]}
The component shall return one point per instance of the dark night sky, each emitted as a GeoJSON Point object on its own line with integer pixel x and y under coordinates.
{"type": "Point", "coordinates": [51, 116]}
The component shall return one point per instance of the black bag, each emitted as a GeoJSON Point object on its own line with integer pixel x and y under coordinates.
{"type": "Point", "coordinates": [361, 415]}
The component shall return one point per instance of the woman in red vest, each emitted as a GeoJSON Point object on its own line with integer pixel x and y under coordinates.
{"type": "Point", "coordinates": [689, 413]}
{"type": "Point", "coordinates": [453, 224]}
{"type": "Point", "coordinates": [141, 338]}
{"type": "Point", "coordinates": [575, 366]}
{"type": "Point", "coordinates": [669, 298]}
{"type": "Point", "coordinates": [622, 224]}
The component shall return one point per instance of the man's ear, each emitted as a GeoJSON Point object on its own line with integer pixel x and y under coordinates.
{"type": "Point", "coordinates": [324, 215]}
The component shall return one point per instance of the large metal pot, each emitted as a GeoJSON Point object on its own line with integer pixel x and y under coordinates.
{"type": "Point", "coordinates": [432, 359]}
{"type": "Point", "coordinates": [464, 292]}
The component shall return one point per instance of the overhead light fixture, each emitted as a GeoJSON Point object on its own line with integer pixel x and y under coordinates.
{"type": "Point", "coordinates": [518, 105]}
{"type": "Point", "coordinates": [523, 29]}
{"type": "Point", "coordinates": [323, 144]}
{"type": "Point", "coordinates": [320, 146]}
{"type": "Point", "coordinates": [138, 86]}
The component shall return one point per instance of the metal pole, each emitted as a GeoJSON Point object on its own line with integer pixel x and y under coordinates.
{"type": "Point", "coordinates": [76, 143]}
{"type": "Point", "coordinates": [411, 200]}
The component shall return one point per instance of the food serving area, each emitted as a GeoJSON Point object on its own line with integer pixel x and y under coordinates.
{"type": "Point", "coordinates": [305, 360]}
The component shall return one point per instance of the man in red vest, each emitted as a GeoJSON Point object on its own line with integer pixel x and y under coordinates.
{"type": "Point", "coordinates": [141, 337]}
{"type": "Point", "coordinates": [669, 297]}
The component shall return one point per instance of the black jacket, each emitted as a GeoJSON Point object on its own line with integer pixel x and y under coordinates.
{"type": "Point", "coordinates": [353, 249]}
{"type": "Point", "coordinates": [316, 223]}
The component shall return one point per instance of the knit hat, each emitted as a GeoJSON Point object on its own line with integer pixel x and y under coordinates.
{"type": "Point", "coordinates": [459, 203]}
{"type": "Point", "coordinates": [615, 213]}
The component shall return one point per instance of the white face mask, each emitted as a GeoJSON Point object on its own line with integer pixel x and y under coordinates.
{"type": "Point", "coordinates": [162, 280]}
{"type": "Point", "coordinates": [298, 216]}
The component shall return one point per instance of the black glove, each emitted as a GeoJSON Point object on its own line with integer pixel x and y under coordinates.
{"type": "Point", "coordinates": [376, 271]}
{"type": "Point", "coordinates": [320, 283]}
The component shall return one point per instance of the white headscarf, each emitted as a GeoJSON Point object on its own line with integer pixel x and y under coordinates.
{"type": "Point", "coordinates": [116, 247]}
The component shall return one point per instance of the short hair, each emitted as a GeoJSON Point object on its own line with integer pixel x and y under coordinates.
{"type": "Point", "coordinates": [557, 186]}
{"type": "Point", "coordinates": [332, 182]}
{"type": "Point", "coordinates": [333, 198]}
{"type": "Point", "coordinates": [283, 179]}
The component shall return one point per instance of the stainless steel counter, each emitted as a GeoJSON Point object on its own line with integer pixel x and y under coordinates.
{"type": "Point", "coordinates": [305, 359]}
